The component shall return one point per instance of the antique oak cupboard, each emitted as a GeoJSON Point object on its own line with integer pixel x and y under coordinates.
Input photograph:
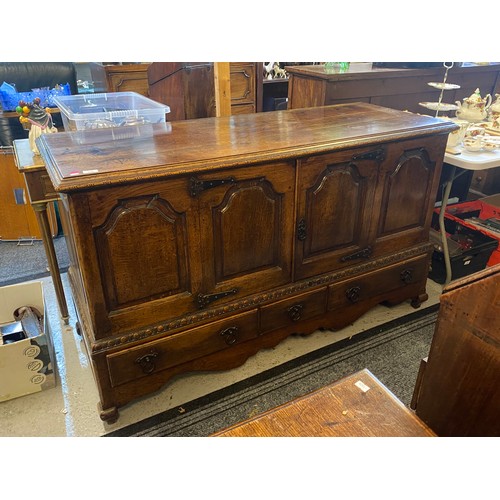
{"type": "Point", "coordinates": [196, 243]}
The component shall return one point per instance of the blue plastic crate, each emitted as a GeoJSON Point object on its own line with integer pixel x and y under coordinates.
{"type": "Point", "coordinates": [9, 97]}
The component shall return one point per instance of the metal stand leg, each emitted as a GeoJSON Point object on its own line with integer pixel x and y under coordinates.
{"type": "Point", "coordinates": [442, 211]}
{"type": "Point", "coordinates": [43, 221]}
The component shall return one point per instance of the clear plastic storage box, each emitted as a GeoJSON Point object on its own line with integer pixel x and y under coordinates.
{"type": "Point", "coordinates": [113, 109]}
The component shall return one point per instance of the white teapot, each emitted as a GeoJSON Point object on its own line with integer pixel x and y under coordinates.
{"type": "Point", "coordinates": [473, 108]}
{"type": "Point", "coordinates": [494, 109]}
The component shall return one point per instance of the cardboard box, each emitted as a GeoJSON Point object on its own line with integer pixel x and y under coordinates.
{"type": "Point", "coordinates": [27, 365]}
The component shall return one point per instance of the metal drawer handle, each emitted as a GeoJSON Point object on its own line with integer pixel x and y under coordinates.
{"type": "Point", "coordinates": [230, 335]}
{"type": "Point", "coordinates": [406, 276]}
{"type": "Point", "coordinates": [353, 294]}
{"type": "Point", "coordinates": [295, 312]}
{"type": "Point", "coordinates": [147, 362]}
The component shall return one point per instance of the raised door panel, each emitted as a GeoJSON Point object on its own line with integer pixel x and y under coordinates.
{"type": "Point", "coordinates": [144, 249]}
{"type": "Point", "coordinates": [409, 181]}
{"type": "Point", "coordinates": [246, 230]}
{"type": "Point", "coordinates": [242, 83]}
{"type": "Point", "coordinates": [132, 276]}
{"type": "Point", "coordinates": [128, 78]}
{"type": "Point", "coordinates": [335, 210]}
{"type": "Point", "coordinates": [131, 82]}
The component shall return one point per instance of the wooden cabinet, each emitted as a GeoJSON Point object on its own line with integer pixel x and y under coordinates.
{"type": "Point", "coordinates": [195, 246]}
{"type": "Point", "coordinates": [458, 390]}
{"type": "Point", "coordinates": [128, 78]}
{"type": "Point", "coordinates": [188, 88]}
{"type": "Point", "coordinates": [17, 218]}
{"type": "Point", "coordinates": [395, 88]}
{"type": "Point", "coordinates": [243, 77]}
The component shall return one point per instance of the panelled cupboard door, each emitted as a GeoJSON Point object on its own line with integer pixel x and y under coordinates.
{"type": "Point", "coordinates": [145, 251]}
{"type": "Point", "coordinates": [408, 178]}
{"type": "Point", "coordinates": [335, 207]}
{"type": "Point", "coordinates": [246, 229]}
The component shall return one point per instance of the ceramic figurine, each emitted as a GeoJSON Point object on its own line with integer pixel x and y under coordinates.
{"type": "Point", "coordinates": [37, 120]}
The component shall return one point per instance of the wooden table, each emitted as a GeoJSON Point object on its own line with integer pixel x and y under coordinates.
{"type": "Point", "coordinates": [41, 192]}
{"type": "Point", "coordinates": [356, 406]}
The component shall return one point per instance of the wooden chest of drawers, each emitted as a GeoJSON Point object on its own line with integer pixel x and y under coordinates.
{"type": "Point", "coordinates": [195, 245]}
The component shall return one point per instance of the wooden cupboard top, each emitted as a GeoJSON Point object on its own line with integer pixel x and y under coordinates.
{"type": "Point", "coordinates": [95, 158]}
{"type": "Point", "coordinates": [356, 72]}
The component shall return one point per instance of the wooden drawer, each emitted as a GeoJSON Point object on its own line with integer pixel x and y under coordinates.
{"type": "Point", "coordinates": [287, 312]}
{"type": "Point", "coordinates": [241, 109]}
{"type": "Point", "coordinates": [378, 283]}
{"type": "Point", "coordinates": [40, 186]}
{"type": "Point", "coordinates": [486, 181]}
{"type": "Point", "coordinates": [159, 355]}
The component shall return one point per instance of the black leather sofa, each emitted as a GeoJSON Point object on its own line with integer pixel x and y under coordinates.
{"type": "Point", "coordinates": [27, 76]}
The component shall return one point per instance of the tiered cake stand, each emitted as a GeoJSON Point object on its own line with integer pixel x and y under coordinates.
{"type": "Point", "coordinates": [440, 105]}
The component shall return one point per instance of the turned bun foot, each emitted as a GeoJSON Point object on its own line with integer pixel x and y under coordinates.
{"type": "Point", "coordinates": [110, 415]}
{"type": "Point", "coordinates": [417, 301]}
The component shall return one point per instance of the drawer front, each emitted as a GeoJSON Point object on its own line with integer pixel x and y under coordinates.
{"type": "Point", "coordinates": [159, 355]}
{"type": "Point", "coordinates": [370, 285]}
{"type": "Point", "coordinates": [242, 109]}
{"type": "Point", "coordinates": [40, 186]}
{"type": "Point", "coordinates": [294, 310]}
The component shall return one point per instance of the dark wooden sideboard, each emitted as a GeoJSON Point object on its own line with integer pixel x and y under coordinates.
{"type": "Point", "coordinates": [197, 243]}
{"type": "Point", "coordinates": [395, 88]}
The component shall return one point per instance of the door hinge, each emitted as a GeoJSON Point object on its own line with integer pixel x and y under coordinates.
{"type": "Point", "coordinates": [365, 253]}
{"type": "Point", "coordinates": [377, 155]}
{"type": "Point", "coordinates": [204, 300]}
{"type": "Point", "coordinates": [196, 186]}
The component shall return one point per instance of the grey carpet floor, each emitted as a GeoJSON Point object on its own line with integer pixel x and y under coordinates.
{"type": "Point", "coordinates": [19, 263]}
{"type": "Point", "coordinates": [392, 352]}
